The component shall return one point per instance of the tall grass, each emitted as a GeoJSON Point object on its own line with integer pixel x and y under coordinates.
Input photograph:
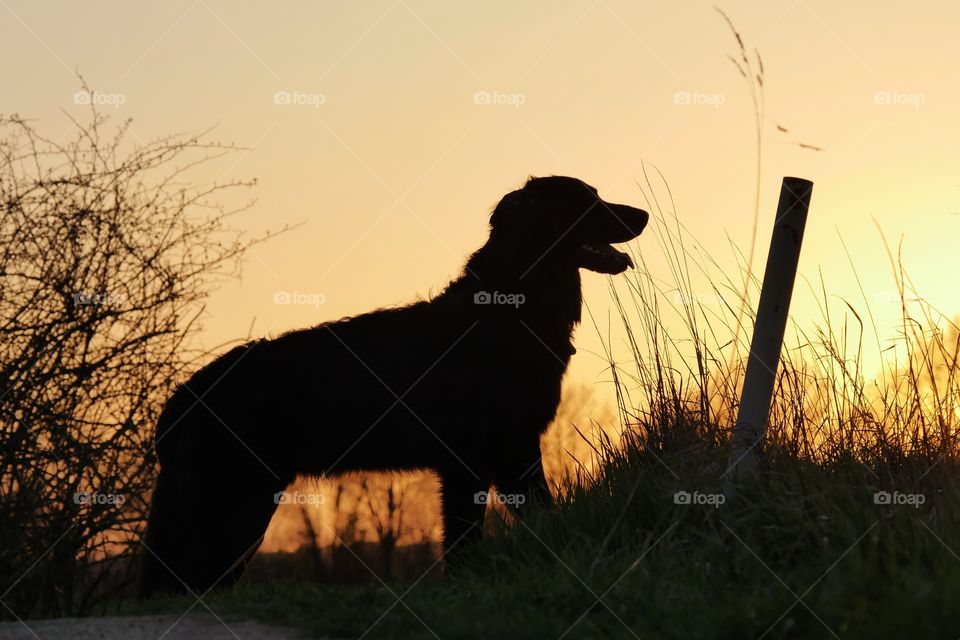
{"type": "Point", "coordinates": [686, 326]}
{"type": "Point", "coordinates": [679, 382]}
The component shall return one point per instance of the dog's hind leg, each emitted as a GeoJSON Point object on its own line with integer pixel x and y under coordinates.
{"type": "Point", "coordinates": [162, 543]}
{"type": "Point", "coordinates": [209, 513]}
{"type": "Point", "coordinates": [229, 515]}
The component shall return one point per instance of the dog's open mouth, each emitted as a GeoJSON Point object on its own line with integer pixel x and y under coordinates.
{"type": "Point", "coordinates": [603, 258]}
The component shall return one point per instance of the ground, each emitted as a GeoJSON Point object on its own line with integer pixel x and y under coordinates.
{"type": "Point", "coordinates": [840, 548]}
{"type": "Point", "coordinates": [194, 626]}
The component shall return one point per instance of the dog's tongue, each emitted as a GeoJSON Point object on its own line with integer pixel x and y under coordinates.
{"type": "Point", "coordinates": [603, 258]}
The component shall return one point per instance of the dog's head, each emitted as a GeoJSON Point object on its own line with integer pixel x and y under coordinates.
{"type": "Point", "coordinates": [563, 221]}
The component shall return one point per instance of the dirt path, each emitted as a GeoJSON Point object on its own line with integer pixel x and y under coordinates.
{"type": "Point", "coordinates": [192, 627]}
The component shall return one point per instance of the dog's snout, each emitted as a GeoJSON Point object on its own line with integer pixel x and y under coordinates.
{"type": "Point", "coordinates": [632, 221]}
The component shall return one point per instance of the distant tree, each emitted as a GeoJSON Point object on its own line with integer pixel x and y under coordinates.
{"type": "Point", "coordinates": [346, 530]}
{"type": "Point", "coordinates": [106, 257]}
{"type": "Point", "coordinates": [312, 543]}
{"type": "Point", "coordinates": [392, 503]}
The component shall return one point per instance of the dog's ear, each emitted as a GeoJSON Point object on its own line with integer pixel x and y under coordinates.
{"type": "Point", "coordinates": [509, 206]}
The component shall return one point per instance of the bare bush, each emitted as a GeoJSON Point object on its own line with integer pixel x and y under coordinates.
{"type": "Point", "coordinates": [106, 256]}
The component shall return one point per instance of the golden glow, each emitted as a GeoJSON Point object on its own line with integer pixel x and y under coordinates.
{"type": "Point", "coordinates": [393, 175]}
{"type": "Point", "coordinates": [597, 83]}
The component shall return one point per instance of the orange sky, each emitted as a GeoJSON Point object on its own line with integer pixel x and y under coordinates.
{"type": "Point", "coordinates": [391, 164]}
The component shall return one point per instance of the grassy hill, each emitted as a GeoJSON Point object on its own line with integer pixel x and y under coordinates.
{"type": "Point", "coordinates": [807, 552]}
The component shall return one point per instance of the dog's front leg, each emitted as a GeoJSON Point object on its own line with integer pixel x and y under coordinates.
{"type": "Point", "coordinates": [525, 485]}
{"type": "Point", "coordinates": [463, 499]}
{"type": "Point", "coordinates": [521, 479]}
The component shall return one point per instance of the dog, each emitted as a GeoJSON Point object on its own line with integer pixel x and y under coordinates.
{"type": "Point", "coordinates": [463, 384]}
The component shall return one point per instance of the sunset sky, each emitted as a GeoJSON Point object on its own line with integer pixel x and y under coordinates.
{"type": "Point", "coordinates": [380, 146]}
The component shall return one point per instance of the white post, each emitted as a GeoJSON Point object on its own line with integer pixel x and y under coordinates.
{"type": "Point", "coordinates": [771, 323]}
